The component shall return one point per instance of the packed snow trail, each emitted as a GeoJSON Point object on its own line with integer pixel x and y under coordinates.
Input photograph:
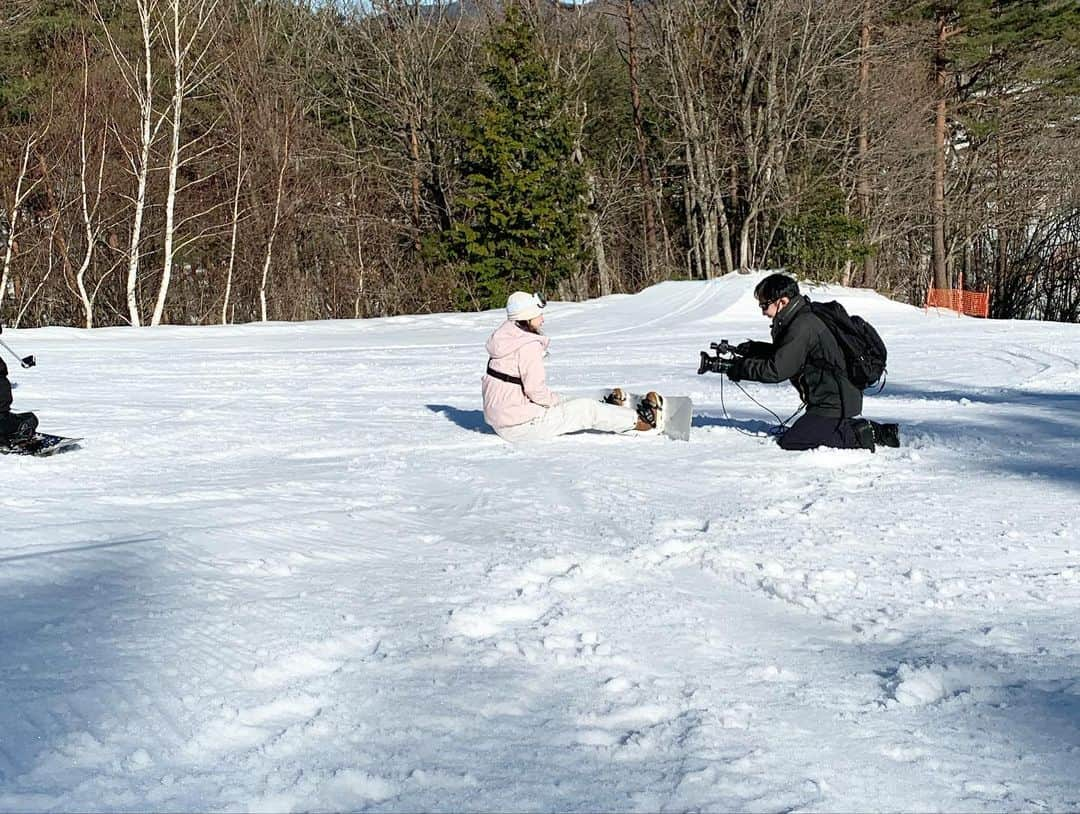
{"type": "Point", "coordinates": [291, 569]}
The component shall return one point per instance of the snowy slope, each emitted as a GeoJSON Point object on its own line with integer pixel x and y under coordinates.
{"type": "Point", "coordinates": [291, 569]}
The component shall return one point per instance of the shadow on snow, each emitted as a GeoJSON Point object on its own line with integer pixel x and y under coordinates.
{"type": "Point", "coordinates": [62, 664]}
{"type": "Point", "coordinates": [1022, 432]}
{"type": "Point", "coordinates": [466, 419]}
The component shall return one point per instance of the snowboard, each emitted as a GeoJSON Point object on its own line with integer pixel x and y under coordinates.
{"type": "Point", "coordinates": [40, 445]}
{"type": "Point", "coordinates": [678, 413]}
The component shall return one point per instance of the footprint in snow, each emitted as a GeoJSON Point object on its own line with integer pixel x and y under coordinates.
{"type": "Point", "coordinates": [736, 717]}
{"type": "Point", "coordinates": [617, 685]}
{"type": "Point", "coordinates": [484, 621]}
{"type": "Point", "coordinates": [903, 754]}
{"type": "Point", "coordinates": [986, 790]}
{"type": "Point", "coordinates": [314, 659]}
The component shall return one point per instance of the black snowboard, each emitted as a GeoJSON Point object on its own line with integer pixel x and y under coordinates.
{"type": "Point", "coordinates": [41, 444]}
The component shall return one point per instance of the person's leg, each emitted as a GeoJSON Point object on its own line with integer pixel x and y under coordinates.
{"type": "Point", "coordinates": [572, 416]}
{"type": "Point", "coordinates": [812, 431]}
{"type": "Point", "coordinates": [5, 390]}
{"type": "Point", "coordinates": [606, 417]}
{"type": "Point", "coordinates": [8, 424]}
{"type": "Point", "coordinates": [17, 426]}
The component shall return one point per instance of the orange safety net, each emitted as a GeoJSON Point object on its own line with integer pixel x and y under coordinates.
{"type": "Point", "coordinates": [972, 303]}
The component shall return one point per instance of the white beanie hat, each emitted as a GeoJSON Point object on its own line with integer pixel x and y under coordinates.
{"type": "Point", "coordinates": [522, 305]}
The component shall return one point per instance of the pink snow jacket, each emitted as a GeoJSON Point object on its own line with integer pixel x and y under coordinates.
{"type": "Point", "coordinates": [516, 352]}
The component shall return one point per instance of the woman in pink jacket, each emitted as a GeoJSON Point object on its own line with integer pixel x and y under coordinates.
{"type": "Point", "coordinates": [517, 402]}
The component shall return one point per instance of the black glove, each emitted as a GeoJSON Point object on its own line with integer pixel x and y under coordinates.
{"type": "Point", "coordinates": [745, 348]}
{"type": "Point", "coordinates": [735, 370]}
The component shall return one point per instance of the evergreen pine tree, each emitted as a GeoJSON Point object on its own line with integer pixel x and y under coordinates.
{"type": "Point", "coordinates": [1037, 41]}
{"type": "Point", "coordinates": [989, 54]}
{"type": "Point", "coordinates": [522, 204]}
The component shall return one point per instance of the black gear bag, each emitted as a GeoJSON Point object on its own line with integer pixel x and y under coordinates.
{"type": "Point", "coordinates": [864, 351]}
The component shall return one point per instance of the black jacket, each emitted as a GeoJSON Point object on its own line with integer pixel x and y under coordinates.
{"type": "Point", "coordinates": [805, 351]}
{"type": "Point", "coordinates": [5, 389]}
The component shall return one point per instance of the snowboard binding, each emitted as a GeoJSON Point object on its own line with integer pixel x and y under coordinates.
{"type": "Point", "coordinates": [616, 397]}
{"type": "Point", "coordinates": [651, 410]}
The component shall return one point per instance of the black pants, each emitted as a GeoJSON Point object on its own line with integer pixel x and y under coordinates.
{"type": "Point", "coordinates": [820, 431]}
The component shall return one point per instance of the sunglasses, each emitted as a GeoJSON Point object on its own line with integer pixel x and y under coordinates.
{"type": "Point", "coordinates": [765, 305]}
{"type": "Point", "coordinates": [541, 300]}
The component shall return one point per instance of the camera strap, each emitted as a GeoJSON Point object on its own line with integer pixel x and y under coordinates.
{"type": "Point", "coordinates": [503, 377]}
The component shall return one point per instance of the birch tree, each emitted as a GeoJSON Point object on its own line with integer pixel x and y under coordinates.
{"type": "Point", "coordinates": [88, 205]}
{"type": "Point", "coordinates": [189, 35]}
{"type": "Point", "coordinates": [138, 76]}
{"type": "Point", "coordinates": [239, 183]}
{"type": "Point", "coordinates": [274, 224]}
{"type": "Point", "coordinates": [24, 186]}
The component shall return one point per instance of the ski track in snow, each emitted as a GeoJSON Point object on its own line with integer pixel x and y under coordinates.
{"type": "Point", "coordinates": [291, 569]}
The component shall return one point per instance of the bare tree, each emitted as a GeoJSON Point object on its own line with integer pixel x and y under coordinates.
{"type": "Point", "coordinates": [276, 221]}
{"type": "Point", "coordinates": [240, 173]}
{"type": "Point", "coordinates": [785, 51]}
{"type": "Point", "coordinates": [401, 66]}
{"type": "Point", "coordinates": [138, 76]}
{"type": "Point", "coordinates": [941, 146]}
{"type": "Point", "coordinates": [863, 170]}
{"type": "Point", "coordinates": [631, 54]}
{"type": "Point", "coordinates": [189, 35]}
{"type": "Point", "coordinates": [88, 207]}
{"type": "Point", "coordinates": [572, 41]}
{"type": "Point", "coordinates": [24, 186]}
{"type": "Point", "coordinates": [691, 35]}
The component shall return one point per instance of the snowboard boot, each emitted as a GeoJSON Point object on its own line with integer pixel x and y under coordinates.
{"type": "Point", "coordinates": [17, 428]}
{"type": "Point", "coordinates": [28, 424]}
{"type": "Point", "coordinates": [886, 435]}
{"type": "Point", "coordinates": [650, 412]}
{"type": "Point", "coordinates": [616, 397]}
{"type": "Point", "coordinates": [864, 433]}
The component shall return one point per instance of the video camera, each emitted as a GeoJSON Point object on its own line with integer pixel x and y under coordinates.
{"type": "Point", "coordinates": [723, 357]}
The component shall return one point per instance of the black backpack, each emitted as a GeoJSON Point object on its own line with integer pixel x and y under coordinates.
{"type": "Point", "coordinates": [864, 352]}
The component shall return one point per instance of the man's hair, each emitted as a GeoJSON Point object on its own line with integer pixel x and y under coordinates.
{"type": "Point", "coordinates": [776, 286]}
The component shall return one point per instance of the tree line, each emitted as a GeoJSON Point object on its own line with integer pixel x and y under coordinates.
{"type": "Point", "coordinates": [198, 161]}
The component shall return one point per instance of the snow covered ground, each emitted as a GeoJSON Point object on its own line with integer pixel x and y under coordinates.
{"type": "Point", "coordinates": [291, 569]}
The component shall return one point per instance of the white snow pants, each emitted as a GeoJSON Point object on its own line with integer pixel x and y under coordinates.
{"type": "Point", "coordinates": [571, 416]}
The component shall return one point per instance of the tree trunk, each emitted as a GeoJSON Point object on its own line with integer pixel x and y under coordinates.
{"type": "Point", "coordinates": [85, 298]}
{"type": "Point", "coordinates": [80, 276]}
{"type": "Point", "coordinates": [174, 164]}
{"type": "Point", "coordinates": [596, 239]}
{"type": "Point", "coordinates": [745, 242]}
{"type": "Point", "coordinates": [869, 271]}
{"type": "Point", "coordinates": [146, 115]}
{"type": "Point", "coordinates": [235, 228]}
{"type": "Point", "coordinates": [273, 229]}
{"type": "Point", "coordinates": [414, 154]}
{"type": "Point", "coordinates": [645, 175]}
{"type": "Point", "coordinates": [941, 278]}
{"type": "Point", "coordinates": [20, 194]}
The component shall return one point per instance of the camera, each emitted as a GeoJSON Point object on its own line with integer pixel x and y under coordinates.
{"type": "Point", "coordinates": [721, 360]}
